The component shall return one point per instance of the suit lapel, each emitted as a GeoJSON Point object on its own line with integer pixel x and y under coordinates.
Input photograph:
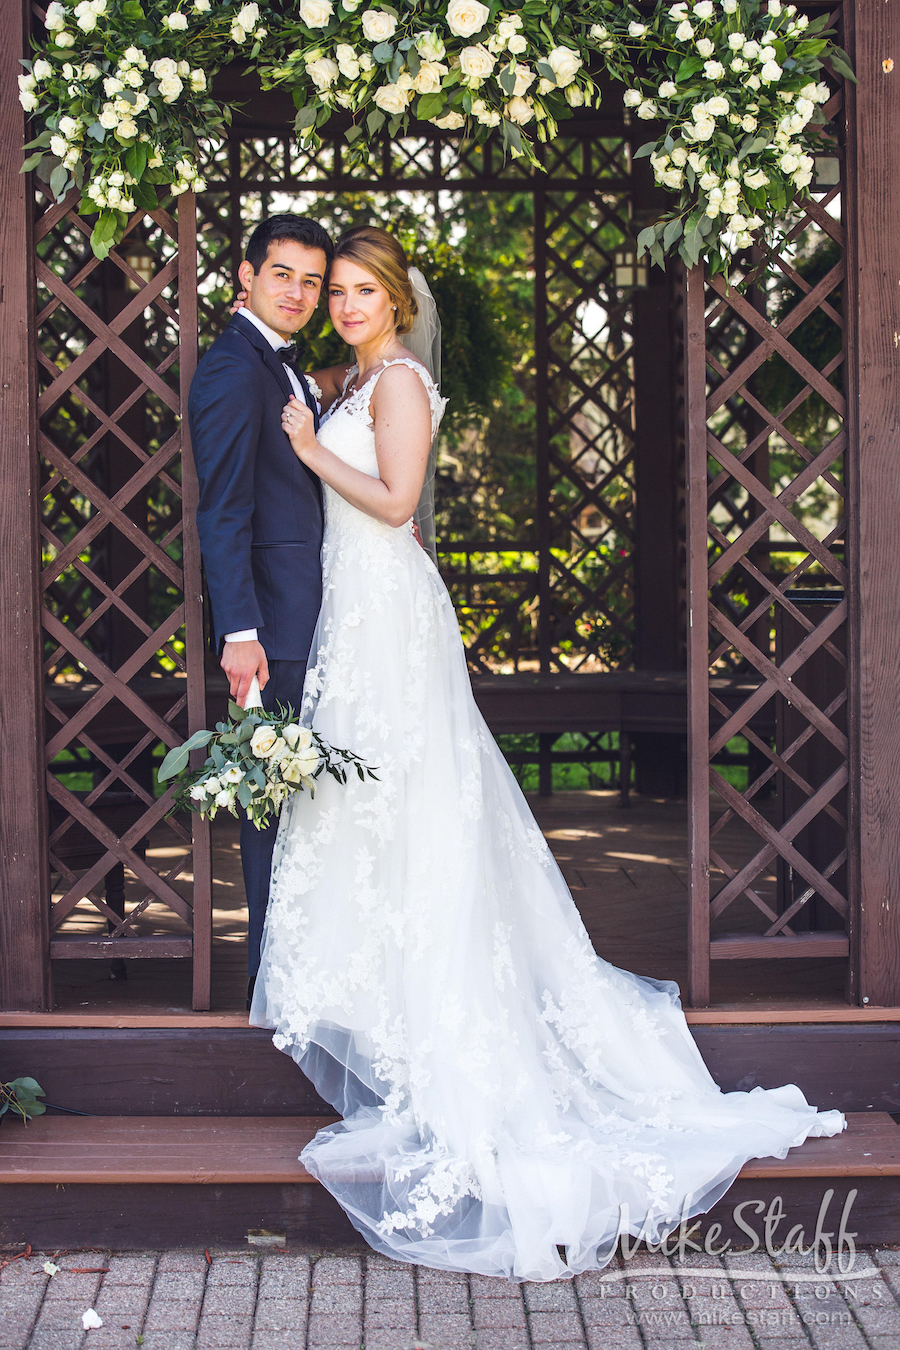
{"type": "Point", "coordinates": [270, 357]}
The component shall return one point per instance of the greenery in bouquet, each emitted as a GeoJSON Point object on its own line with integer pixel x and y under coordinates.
{"type": "Point", "coordinates": [516, 67]}
{"type": "Point", "coordinates": [737, 85]}
{"type": "Point", "coordinates": [122, 90]}
{"type": "Point", "coordinates": [256, 761]}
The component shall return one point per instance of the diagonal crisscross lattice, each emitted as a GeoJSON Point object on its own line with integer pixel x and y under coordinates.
{"type": "Point", "coordinates": [768, 513]}
{"type": "Point", "coordinates": [114, 348]}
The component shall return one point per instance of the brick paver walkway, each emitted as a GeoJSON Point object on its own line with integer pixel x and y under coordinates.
{"type": "Point", "coordinates": [299, 1300]}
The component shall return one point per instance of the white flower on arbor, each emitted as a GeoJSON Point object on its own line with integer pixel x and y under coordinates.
{"type": "Point", "coordinates": [565, 64]}
{"type": "Point", "coordinates": [323, 72]}
{"type": "Point", "coordinates": [378, 26]}
{"type": "Point", "coordinates": [520, 111]}
{"type": "Point", "coordinates": [314, 13]}
{"type": "Point", "coordinates": [465, 18]}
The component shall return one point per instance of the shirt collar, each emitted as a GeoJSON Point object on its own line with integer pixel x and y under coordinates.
{"type": "Point", "coordinates": [275, 340]}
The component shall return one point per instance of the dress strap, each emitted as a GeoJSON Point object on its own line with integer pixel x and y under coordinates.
{"type": "Point", "coordinates": [436, 403]}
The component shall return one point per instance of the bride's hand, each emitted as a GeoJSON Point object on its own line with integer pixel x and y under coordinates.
{"type": "Point", "coordinates": [239, 302]}
{"type": "Point", "coordinates": [298, 424]}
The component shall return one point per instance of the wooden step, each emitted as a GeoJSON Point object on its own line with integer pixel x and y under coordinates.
{"type": "Point", "coordinates": [124, 1182]}
{"type": "Point", "coordinates": [263, 1150]}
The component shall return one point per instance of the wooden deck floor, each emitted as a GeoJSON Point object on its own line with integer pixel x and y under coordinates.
{"type": "Point", "coordinates": [626, 868]}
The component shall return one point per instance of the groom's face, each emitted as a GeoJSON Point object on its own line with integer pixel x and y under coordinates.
{"type": "Point", "coordinates": [285, 291]}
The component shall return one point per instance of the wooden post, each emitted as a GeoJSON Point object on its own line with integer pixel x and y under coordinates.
{"type": "Point", "coordinates": [193, 598]}
{"type": "Point", "coordinates": [874, 543]}
{"type": "Point", "coordinates": [698, 637]}
{"type": "Point", "coordinates": [24, 873]}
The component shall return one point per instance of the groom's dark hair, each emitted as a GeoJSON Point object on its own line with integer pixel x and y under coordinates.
{"type": "Point", "coordinates": [276, 229]}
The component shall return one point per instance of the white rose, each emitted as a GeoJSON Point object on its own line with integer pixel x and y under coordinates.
{"type": "Point", "coordinates": [752, 82]}
{"type": "Point", "coordinates": [351, 6]}
{"type": "Point", "coordinates": [198, 793]}
{"type": "Point", "coordinates": [708, 181]}
{"type": "Point", "coordinates": [736, 41]}
{"type": "Point", "coordinates": [308, 762]}
{"type": "Point", "coordinates": [685, 31]}
{"type": "Point", "coordinates": [291, 770]}
{"type": "Point", "coordinates": [42, 70]}
{"type": "Point", "coordinates": [738, 63]}
{"type": "Point", "coordinates": [451, 121]}
{"type": "Point", "coordinates": [737, 223]}
{"type": "Point", "coordinates": [127, 130]}
{"type": "Point", "coordinates": [770, 72]}
{"type": "Point", "coordinates": [679, 156]}
{"type": "Point", "coordinates": [430, 47]}
{"type": "Point", "coordinates": [705, 9]}
{"type": "Point", "coordinates": [718, 105]}
{"type": "Point", "coordinates": [520, 111]}
{"type": "Point", "coordinates": [141, 101]}
{"type": "Point", "coordinates": [224, 798]}
{"type": "Point", "coordinates": [524, 80]}
{"type": "Point", "coordinates": [323, 72]}
{"type": "Point", "coordinates": [170, 88]}
{"type": "Point", "coordinates": [730, 6]}
{"type": "Point", "coordinates": [378, 26]}
{"type": "Point", "coordinates": [749, 122]}
{"type": "Point", "coordinates": [703, 130]}
{"type": "Point", "coordinates": [55, 18]}
{"type": "Point", "coordinates": [112, 85]}
{"type": "Point", "coordinates": [599, 31]}
{"type": "Point", "coordinates": [69, 127]}
{"type": "Point", "coordinates": [64, 40]}
{"type": "Point", "coordinates": [390, 98]}
{"type": "Point", "coordinates": [233, 774]}
{"type": "Point", "coordinates": [87, 21]}
{"type": "Point", "coordinates": [134, 56]}
{"type": "Point", "coordinates": [637, 29]}
{"type": "Point", "coordinates": [297, 735]}
{"type": "Point", "coordinates": [647, 110]}
{"type": "Point", "coordinates": [198, 81]}
{"type": "Point", "coordinates": [98, 6]}
{"type": "Point", "coordinates": [775, 8]}
{"type": "Point", "coordinates": [476, 63]}
{"type": "Point", "coordinates": [714, 70]}
{"type": "Point", "coordinates": [177, 21]}
{"type": "Point", "coordinates": [466, 17]}
{"type": "Point", "coordinates": [517, 44]}
{"type": "Point", "coordinates": [314, 13]}
{"type": "Point", "coordinates": [631, 98]}
{"type": "Point", "coordinates": [484, 114]}
{"type": "Point", "coordinates": [109, 118]}
{"type": "Point", "coordinates": [27, 82]}
{"type": "Point", "coordinates": [28, 100]}
{"type": "Point", "coordinates": [114, 196]}
{"type": "Point", "coordinates": [805, 108]}
{"type": "Point", "coordinates": [248, 17]}
{"type": "Point", "coordinates": [767, 53]}
{"type": "Point", "coordinates": [164, 67]}
{"type": "Point", "coordinates": [565, 65]}
{"type": "Point", "coordinates": [116, 179]}
{"type": "Point", "coordinates": [428, 80]}
{"type": "Point", "coordinates": [202, 6]}
{"type": "Point", "coordinates": [751, 48]}
{"type": "Point", "coordinates": [237, 35]}
{"type": "Point", "coordinates": [184, 69]}
{"type": "Point", "coordinates": [713, 209]}
{"type": "Point", "coordinates": [672, 178]}
{"type": "Point", "coordinates": [59, 145]}
{"type": "Point", "coordinates": [668, 89]}
{"type": "Point", "coordinates": [705, 47]}
{"type": "Point", "coordinates": [788, 163]}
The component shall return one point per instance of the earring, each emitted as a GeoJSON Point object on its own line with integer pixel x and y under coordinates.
{"type": "Point", "coordinates": [393, 307]}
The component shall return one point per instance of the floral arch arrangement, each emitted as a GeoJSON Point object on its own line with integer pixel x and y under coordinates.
{"type": "Point", "coordinates": [120, 90]}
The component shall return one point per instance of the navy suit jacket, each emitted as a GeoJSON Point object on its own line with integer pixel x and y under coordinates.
{"type": "Point", "coordinates": [260, 512]}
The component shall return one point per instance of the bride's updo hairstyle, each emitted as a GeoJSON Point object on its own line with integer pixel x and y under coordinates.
{"type": "Point", "coordinates": [377, 252]}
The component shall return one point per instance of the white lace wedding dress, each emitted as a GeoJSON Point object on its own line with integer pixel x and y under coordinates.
{"type": "Point", "coordinates": [504, 1090]}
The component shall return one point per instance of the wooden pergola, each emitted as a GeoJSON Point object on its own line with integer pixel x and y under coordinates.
{"type": "Point", "coordinates": [807, 677]}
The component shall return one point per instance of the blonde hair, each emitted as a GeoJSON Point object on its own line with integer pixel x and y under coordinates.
{"type": "Point", "coordinates": [379, 253]}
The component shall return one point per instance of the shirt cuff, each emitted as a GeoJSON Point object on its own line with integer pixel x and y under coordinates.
{"type": "Point", "coordinates": [245, 635]}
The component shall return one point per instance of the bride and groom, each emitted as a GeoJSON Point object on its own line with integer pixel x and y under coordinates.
{"type": "Point", "coordinates": [511, 1103]}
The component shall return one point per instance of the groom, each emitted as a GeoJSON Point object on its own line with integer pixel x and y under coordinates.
{"type": "Point", "coordinates": [260, 512]}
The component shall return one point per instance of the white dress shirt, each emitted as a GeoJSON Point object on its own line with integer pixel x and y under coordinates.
{"type": "Point", "coordinates": [276, 342]}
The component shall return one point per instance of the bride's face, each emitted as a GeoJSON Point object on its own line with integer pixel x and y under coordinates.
{"type": "Point", "coordinates": [360, 307]}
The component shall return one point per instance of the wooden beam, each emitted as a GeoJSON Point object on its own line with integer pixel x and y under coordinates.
{"type": "Point", "coordinates": [753, 946]}
{"type": "Point", "coordinates": [873, 207]}
{"type": "Point", "coordinates": [24, 872]}
{"type": "Point", "coordinates": [80, 948]}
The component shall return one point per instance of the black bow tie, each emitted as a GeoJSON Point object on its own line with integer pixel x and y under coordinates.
{"type": "Point", "coordinates": [290, 355]}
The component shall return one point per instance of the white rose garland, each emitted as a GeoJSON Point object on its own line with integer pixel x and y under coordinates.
{"type": "Point", "coordinates": [121, 94]}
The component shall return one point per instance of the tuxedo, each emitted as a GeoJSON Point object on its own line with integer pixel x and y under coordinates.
{"type": "Point", "coordinates": [260, 524]}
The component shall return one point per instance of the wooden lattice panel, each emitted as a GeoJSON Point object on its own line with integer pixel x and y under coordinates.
{"type": "Point", "coordinates": [767, 504]}
{"type": "Point", "coordinates": [123, 650]}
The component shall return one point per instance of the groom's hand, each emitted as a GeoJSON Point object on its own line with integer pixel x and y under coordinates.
{"type": "Point", "coordinates": [240, 662]}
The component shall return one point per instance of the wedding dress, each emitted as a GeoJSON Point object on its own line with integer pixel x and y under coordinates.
{"type": "Point", "coordinates": [505, 1092]}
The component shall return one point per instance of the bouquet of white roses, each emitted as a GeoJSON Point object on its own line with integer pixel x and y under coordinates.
{"type": "Point", "coordinates": [257, 760]}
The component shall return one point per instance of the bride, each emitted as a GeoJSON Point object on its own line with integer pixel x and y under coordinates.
{"type": "Point", "coordinates": [506, 1094]}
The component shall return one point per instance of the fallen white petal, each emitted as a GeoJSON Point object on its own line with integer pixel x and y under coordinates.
{"type": "Point", "coordinates": [90, 1320]}
{"type": "Point", "coordinates": [50, 1268]}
